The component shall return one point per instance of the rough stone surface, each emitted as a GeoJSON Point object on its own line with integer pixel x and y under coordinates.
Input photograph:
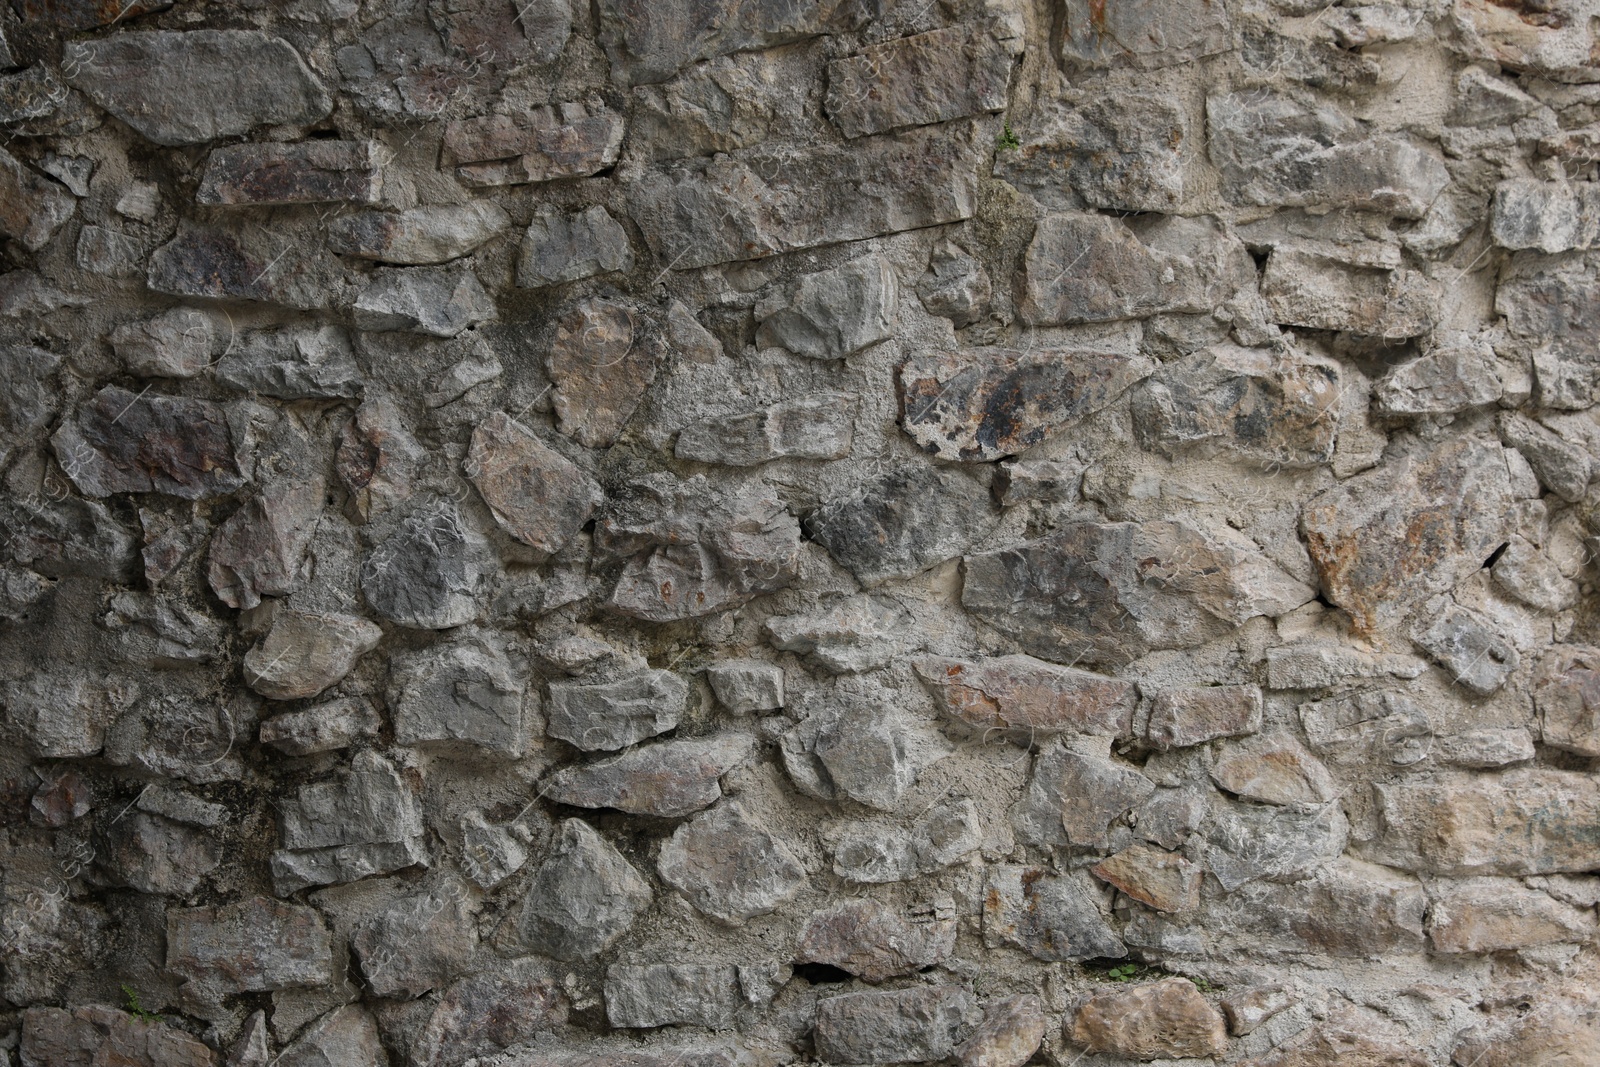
{"type": "Point", "coordinates": [1051, 917]}
{"type": "Point", "coordinates": [569, 248]}
{"type": "Point", "coordinates": [1025, 695]}
{"type": "Point", "coordinates": [99, 1033]}
{"type": "Point", "coordinates": [729, 865]}
{"type": "Point", "coordinates": [812, 427]}
{"type": "Point", "coordinates": [875, 941]}
{"type": "Point", "coordinates": [122, 442]}
{"type": "Point", "coordinates": [666, 994]}
{"type": "Point", "coordinates": [429, 570]}
{"type": "Point", "coordinates": [671, 779]}
{"type": "Point", "coordinates": [34, 207]}
{"type": "Point", "coordinates": [304, 654]}
{"type": "Point", "coordinates": [582, 898]}
{"type": "Point", "coordinates": [931, 77]}
{"type": "Point", "coordinates": [365, 821]}
{"type": "Point", "coordinates": [903, 523]}
{"type": "Point", "coordinates": [606, 716]}
{"type": "Point", "coordinates": [419, 236]}
{"type": "Point", "coordinates": [902, 1026]}
{"type": "Point", "coordinates": [537, 495]}
{"type": "Point", "coordinates": [1168, 1019]}
{"type": "Point", "coordinates": [464, 693]}
{"type": "Point", "coordinates": [309, 173]}
{"type": "Point", "coordinates": [254, 945]}
{"type": "Point", "coordinates": [601, 362]}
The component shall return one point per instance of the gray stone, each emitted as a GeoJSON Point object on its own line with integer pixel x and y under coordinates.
{"type": "Point", "coordinates": [464, 693]}
{"type": "Point", "coordinates": [25, 294]}
{"type": "Point", "coordinates": [541, 144]}
{"type": "Point", "coordinates": [1307, 290]}
{"type": "Point", "coordinates": [438, 303]}
{"type": "Point", "coordinates": [419, 236]}
{"type": "Point", "coordinates": [258, 550]}
{"type": "Point", "coordinates": [31, 95]}
{"type": "Point", "coordinates": [568, 248]}
{"type": "Point", "coordinates": [1124, 152]}
{"type": "Point", "coordinates": [487, 1012]}
{"type": "Point", "coordinates": [871, 757]}
{"type": "Point", "coordinates": [607, 716]}
{"type": "Point", "coordinates": [1026, 696]}
{"type": "Point", "coordinates": [536, 494]}
{"type": "Point", "coordinates": [250, 946]}
{"type": "Point", "coordinates": [1246, 842]}
{"type": "Point", "coordinates": [669, 994]}
{"type": "Point", "coordinates": [1317, 666]}
{"type": "Point", "coordinates": [1012, 1031]}
{"type": "Point", "coordinates": [1468, 646]}
{"type": "Point", "coordinates": [1278, 408]}
{"type": "Point", "coordinates": [366, 821]}
{"type": "Point", "coordinates": [245, 263]}
{"type": "Point", "coordinates": [100, 1033]}
{"type": "Point", "coordinates": [503, 33]}
{"type": "Point", "coordinates": [1193, 715]}
{"type": "Point", "coordinates": [1051, 917]}
{"type": "Point", "coordinates": [882, 852]}
{"type": "Point", "coordinates": [311, 172]}
{"type": "Point", "coordinates": [492, 853]}
{"type": "Point", "coordinates": [1533, 578]}
{"type": "Point", "coordinates": [926, 78]}
{"type": "Point", "coordinates": [1455, 373]}
{"type": "Point", "coordinates": [1550, 305]}
{"type": "Point", "coordinates": [983, 404]}
{"type": "Point", "coordinates": [203, 85]}
{"type": "Point", "coordinates": [325, 727]}
{"type": "Point", "coordinates": [294, 364]}
{"type": "Point", "coordinates": [1274, 769]}
{"type": "Point", "coordinates": [602, 360]}
{"type": "Point", "coordinates": [181, 807]}
{"type": "Point", "coordinates": [153, 854]}
{"type": "Point", "coordinates": [834, 313]}
{"type": "Point", "coordinates": [730, 866]}
{"type": "Point", "coordinates": [1096, 790]}
{"type": "Point", "coordinates": [955, 285]}
{"type": "Point", "coordinates": [1144, 34]}
{"type": "Point", "coordinates": [916, 1025]}
{"type": "Point", "coordinates": [819, 426]}
{"type": "Point", "coordinates": [747, 686]}
{"type": "Point", "coordinates": [1567, 696]}
{"type": "Point", "coordinates": [417, 943]}
{"type": "Point", "coordinates": [34, 207]}
{"type": "Point", "coordinates": [174, 344]}
{"type": "Point", "coordinates": [1563, 467]}
{"type": "Point", "coordinates": [122, 442]}
{"type": "Point", "coordinates": [687, 552]}
{"type": "Point", "coordinates": [583, 897]}
{"type": "Point", "coordinates": [110, 253]}
{"type": "Point", "coordinates": [850, 636]}
{"type": "Point", "coordinates": [304, 654]}
{"type": "Point", "coordinates": [169, 735]}
{"type": "Point", "coordinates": [1371, 727]}
{"type": "Point", "coordinates": [874, 941]}
{"type": "Point", "coordinates": [376, 458]}
{"type": "Point", "coordinates": [346, 1037]}
{"type": "Point", "coordinates": [29, 401]}
{"type": "Point", "coordinates": [671, 779]}
{"type": "Point", "coordinates": [1556, 216]}
{"type": "Point", "coordinates": [429, 571]}
{"type": "Point", "coordinates": [903, 523]}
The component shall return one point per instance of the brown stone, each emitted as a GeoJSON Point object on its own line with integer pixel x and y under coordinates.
{"type": "Point", "coordinates": [310, 172]}
{"type": "Point", "coordinates": [1026, 695]}
{"type": "Point", "coordinates": [84, 14]}
{"type": "Point", "coordinates": [1012, 1031]}
{"type": "Point", "coordinates": [536, 494]}
{"type": "Point", "coordinates": [1274, 768]}
{"type": "Point", "coordinates": [1249, 1008]}
{"type": "Point", "coordinates": [1499, 915]}
{"type": "Point", "coordinates": [1193, 715]}
{"type": "Point", "coordinates": [487, 1012]}
{"type": "Point", "coordinates": [1567, 696]}
{"type": "Point", "coordinates": [1164, 880]}
{"type": "Point", "coordinates": [421, 236]}
{"type": "Point", "coordinates": [122, 442]}
{"type": "Point", "coordinates": [304, 654]}
{"type": "Point", "coordinates": [258, 551]}
{"type": "Point", "coordinates": [1142, 34]}
{"type": "Point", "coordinates": [671, 779]}
{"type": "Point", "coordinates": [99, 1034]}
{"type": "Point", "coordinates": [251, 946]}
{"type": "Point", "coordinates": [1302, 289]}
{"type": "Point", "coordinates": [601, 362]}
{"type": "Point", "coordinates": [543, 144]}
{"type": "Point", "coordinates": [874, 941]}
{"type": "Point", "coordinates": [1166, 1019]}
{"type": "Point", "coordinates": [1556, 1033]}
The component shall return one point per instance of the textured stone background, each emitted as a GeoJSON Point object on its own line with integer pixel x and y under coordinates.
{"type": "Point", "coordinates": [704, 533]}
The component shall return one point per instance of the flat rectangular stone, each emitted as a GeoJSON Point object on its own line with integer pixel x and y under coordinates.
{"type": "Point", "coordinates": [930, 77]}
{"type": "Point", "coordinates": [307, 173]}
{"type": "Point", "coordinates": [561, 141]}
{"type": "Point", "coordinates": [1321, 294]}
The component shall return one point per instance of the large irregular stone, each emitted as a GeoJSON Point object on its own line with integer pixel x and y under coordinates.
{"type": "Point", "coordinates": [1246, 842]}
{"type": "Point", "coordinates": [1304, 289]}
{"type": "Point", "coordinates": [1279, 408]}
{"type": "Point", "coordinates": [1097, 790]}
{"type": "Point", "coordinates": [687, 551]}
{"type": "Point", "coordinates": [603, 359]}
{"type": "Point", "coordinates": [419, 236]}
{"type": "Point", "coordinates": [607, 716]}
{"type": "Point", "coordinates": [884, 852]}
{"type": "Point", "coordinates": [1556, 1031]}
{"type": "Point", "coordinates": [304, 654]}
{"type": "Point", "coordinates": [1110, 592]}
{"type": "Point", "coordinates": [419, 942]}
{"type": "Point", "coordinates": [1549, 304]}
{"type": "Point", "coordinates": [203, 85]}
{"type": "Point", "coordinates": [1012, 1031]}
{"type": "Point", "coordinates": [1022, 695]}
{"type": "Point", "coordinates": [464, 693]}
{"type": "Point", "coordinates": [983, 404]}
{"type": "Point", "coordinates": [1275, 769]}
{"type": "Point", "coordinates": [583, 897]}
{"type": "Point", "coordinates": [669, 994]}
{"type": "Point", "coordinates": [73, 536]}
{"type": "Point", "coordinates": [366, 821]}
{"type": "Point", "coordinates": [917, 1025]}
{"type": "Point", "coordinates": [1181, 717]}
{"type": "Point", "coordinates": [1387, 539]}
{"type": "Point", "coordinates": [746, 686]}
{"type": "Point", "coordinates": [1051, 917]}
{"type": "Point", "coordinates": [153, 854]}
{"type": "Point", "coordinates": [1163, 880]}
{"type": "Point", "coordinates": [1143, 34]}
{"type": "Point", "coordinates": [1531, 576]}
{"type": "Point", "coordinates": [850, 636]}
{"type": "Point", "coordinates": [376, 457]}
{"type": "Point", "coordinates": [834, 313]}
{"type": "Point", "coordinates": [875, 941]}
{"type": "Point", "coordinates": [32, 207]}
{"type": "Point", "coordinates": [671, 779]}
{"type": "Point", "coordinates": [903, 523]}
{"type": "Point", "coordinates": [1168, 1019]}
{"type": "Point", "coordinates": [730, 866]}
{"type": "Point", "coordinates": [870, 756]}
{"type": "Point", "coordinates": [60, 714]}
{"type": "Point", "coordinates": [568, 248]}
{"type": "Point", "coordinates": [252, 946]}
{"type": "Point", "coordinates": [503, 33]}
{"type": "Point", "coordinates": [100, 1034]}
{"type": "Point", "coordinates": [1553, 43]}
{"type": "Point", "coordinates": [764, 201]}
{"type": "Point", "coordinates": [294, 364]}
{"type": "Point", "coordinates": [28, 395]}
{"type": "Point", "coordinates": [1121, 152]}
{"type": "Point", "coordinates": [259, 549]}
{"type": "Point", "coordinates": [1454, 373]}
{"type": "Point", "coordinates": [1562, 466]}
{"type": "Point", "coordinates": [930, 77]}
{"type": "Point", "coordinates": [1502, 915]}
{"type": "Point", "coordinates": [1567, 696]}
{"type": "Point", "coordinates": [537, 495]}
{"type": "Point", "coordinates": [437, 303]}
{"type": "Point", "coordinates": [1469, 647]}
{"type": "Point", "coordinates": [1273, 150]}
{"type": "Point", "coordinates": [245, 263]}
{"type": "Point", "coordinates": [819, 426]}
{"type": "Point", "coordinates": [346, 1036]}
{"type": "Point", "coordinates": [540, 144]}
{"type": "Point", "coordinates": [122, 442]}
{"type": "Point", "coordinates": [325, 727]}
{"type": "Point", "coordinates": [429, 571]}
{"type": "Point", "coordinates": [1556, 216]}
{"type": "Point", "coordinates": [487, 1012]}
{"type": "Point", "coordinates": [310, 172]}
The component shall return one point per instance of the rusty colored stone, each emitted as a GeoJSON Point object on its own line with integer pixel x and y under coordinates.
{"type": "Point", "coordinates": [566, 141]}
{"type": "Point", "coordinates": [1026, 695]}
{"type": "Point", "coordinates": [421, 236]}
{"type": "Point", "coordinates": [1165, 1019]}
{"type": "Point", "coordinates": [601, 362]}
{"type": "Point", "coordinates": [1164, 880]}
{"type": "Point", "coordinates": [536, 494]}
{"type": "Point", "coordinates": [984, 404]}
{"type": "Point", "coordinates": [874, 941]}
{"type": "Point", "coordinates": [122, 442]}
{"type": "Point", "coordinates": [1567, 695]}
{"type": "Point", "coordinates": [671, 779]}
{"type": "Point", "coordinates": [1273, 768]}
{"type": "Point", "coordinates": [309, 172]}
{"type": "Point", "coordinates": [1012, 1031]}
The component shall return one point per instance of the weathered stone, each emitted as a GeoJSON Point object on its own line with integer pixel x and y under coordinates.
{"type": "Point", "coordinates": [819, 426]}
{"type": "Point", "coordinates": [875, 941]}
{"type": "Point", "coordinates": [568, 248]}
{"type": "Point", "coordinates": [1469, 647]}
{"type": "Point", "coordinates": [1302, 289]}
{"type": "Point", "coordinates": [1550, 304]}
{"type": "Point", "coordinates": [982, 404]}
{"type": "Point", "coordinates": [419, 942]}
{"type": "Point", "coordinates": [32, 207]}
{"type": "Point", "coordinates": [503, 33]}
{"type": "Point", "coordinates": [1495, 915]}
{"type": "Point", "coordinates": [607, 716]}
{"type": "Point", "coordinates": [686, 552]}
{"type": "Point", "coordinates": [1453, 374]}
{"type": "Point", "coordinates": [583, 897]}
{"type": "Point", "coordinates": [1246, 842]}
{"type": "Point", "coordinates": [1273, 768]}
{"type": "Point", "coordinates": [668, 994]}
{"type": "Point", "coordinates": [930, 77]}
{"type": "Point", "coordinates": [1249, 1008]}
{"type": "Point", "coordinates": [376, 457]}
{"type": "Point", "coordinates": [53, 1037]}
{"type": "Point", "coordinates": [538, 145]}
{"type": "Point", "coordinates": [110, 253]}
{"type": "Point", "coordinates": [537, 495]}
{"type": "Point", "coordinates": [304, 654]}
{"type": "Point", "coordinates": [365, 822]}
{"type": "Point", "coordinates": [122, 442]}
{"type": "Point", "coordinates": [1348, 1040]}
{"type": "Point", "coordinates": [1023, 695]}
{"type": "Point", "coordinates": [1168, 1019]}
{"type": "Point", "coordinates": [1124, 152]}
{"type": "Point", "coordinates": [1163, 880]}
{"type": "Point", "coordinates": [1097, 791]}
{"type": "Point", "coordinates": [1556, 216]}
{"type": "Point", "coordinates": [1555, 1031]}
{"type": "Point", "coordinates": [438, 303]}
{"type": "Point", "coordinates": [25, 294]}
{"type": "Point", "coordinates": [871, 757]}
{"type": "Point", "coordinates": [849, 636]}
{"type": "Point", "coordinates": [832, 314]}
{"type": "Point", "coordinates": [346, 1036]}
{"type": "Point", "coordinates": [1273, 150]}
{"type": "Point", "coordinates": [765, 200]}
{"type": "Point", "coordinates": [916, 1025]}
{"type": "Point", "coordinates": [1563, 467]}
{"type": "Point", "coordinates": [174, 344]}
{"type": "Point", "coordinates": [157, 855]}
{"type": "Point", "coordinates": [1567, 696]}
{"type": "Point", "coordinates": [700, 1054]}
{"type": "Point", "coordinates": [1387, 539]}
{"type": "Point", "coordinates": [730, 866]}
{"type": "Point", "coordinates": [294, 364]}
{"type": "Point", "coordinates": [258, 550]}
{"type": "Point", "coordinates": [1517, 822]}
{"type": "Point", "coordinates": [601, 362]}
{"type": "Point", "coordinates": [1279, 408]}
{"type": "Point", "coordinates": [1193, 715]}
{"type": "Point", "coordinates": [1108, 593]}
{"type": "Point", "coordinates": [254, 945]}
{"type": "Point", "coordinates": [428, 573]}
{"type": "Point", "coordinates": [747, 686]}
{"type": "Point", "coordinates": [1143, 34]}
{"type": "Point", "coordinates": [903, 523]}
{"type": "Point", "coordinates": [245, 263]}
{"type": "Point", "coordinates": [1012, 1031]}
{"type": "Point", "coordinates": [671, 779]}
{"type": "Point", "coordinates": [955, 286]}
{"type": "Point", "coordinates": [492, 853]}
{"type": "Point", "coordinates": [203, 85]}
{"type": "Point", "coordinates": [1051, 917]}
{"type": "Point", "coordinates": [311, 172]}
{"type": "Point", "coordinates": [1531, 576]}
{"type": "Point", "coordinates": [28, 395]}
{"type": "Point", "coordinates": [464, 693]}
{"type": "Point", "coordinates": [878, 852]}
{"type": "Point", "coordinates": [1319, 665]}
{"type": "Point", "coordinates": [485, 1013]}
{"type": "Point", "coordinates": [325, 727]}
{"type": "Point", "coordinates": [419, 236]}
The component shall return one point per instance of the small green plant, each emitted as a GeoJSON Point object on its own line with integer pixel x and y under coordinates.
{"type": "Point", "coordinates": [1008, 139]}
{"type": "Point", "coordinates": [1204, 986]}
{"type": "Point", "coordinates": [1123, 972]}
{"type": "Point", "coordinates": [134, 1008]}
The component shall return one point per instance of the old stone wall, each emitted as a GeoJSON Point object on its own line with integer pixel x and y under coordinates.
{"type": "Point", "coordinates": [737, 533]}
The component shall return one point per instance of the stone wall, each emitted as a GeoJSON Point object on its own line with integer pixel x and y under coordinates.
{"type": "Point", "coordinates": [735, 533]}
